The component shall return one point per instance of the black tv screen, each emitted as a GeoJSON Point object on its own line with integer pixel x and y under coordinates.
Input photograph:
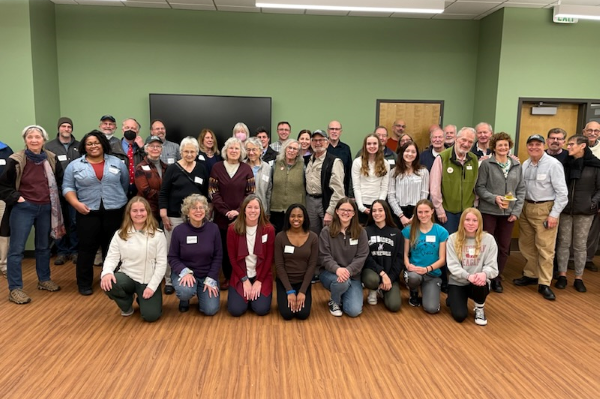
{"type": "Point", "coordinates": [186, 115]}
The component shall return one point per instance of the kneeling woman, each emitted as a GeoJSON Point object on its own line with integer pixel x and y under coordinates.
{"type": "Point", "coordinates": [385, 260]}
{"type": "Point", "coordinates": [296, 253]}
{"type": "Point", "coordinates": [250, 243]}
{"type": "Point", "coordinates": [424, 255]}
{"type": "Point", "coordinates": [343, 249]}
{"type": "Point", "coordinates": [472, 262]}
{"type": "Point", "coordinates": [141, 247]}
{"type": "Point", "coordinates": [195, 257]}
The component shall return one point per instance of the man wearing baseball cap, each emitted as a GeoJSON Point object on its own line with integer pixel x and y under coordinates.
{"type": "Point", "coordinates": [66, 149]}
{"type": "Point", "coordinates": [108, 126]}
{"type": "Point", "coordinates": [545, 198]}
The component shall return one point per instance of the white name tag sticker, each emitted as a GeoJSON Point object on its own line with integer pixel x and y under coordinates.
{"type": "Point", "coordinates": [271, 163]}
{"type": "Point", "coordinates": [198, 180]}
{"type": "Point", "coordinates": [62, 158]}
{"type": "Point", "coordinates": [265, 178]}
{"type": "Point", "coordinates": [264, 238]}
{"type": "Point", "coordinates": [469, 167]}
{"type": "Point", "coordinates": [2, 161]}
{"type": "Point", "coordinates": [123, 161]}
{"type": "Point", "coordinates": [471, 251]}
{"type": "Point", "coordinates": [541, 176]}
{"type": "Point", "coordinates": [392, 162]}
{"type": "Point", "coordinates": [429, 238]}
{"type": "Point", "coordinates": [146, 168]}
{"type": "Point", "coordinates": [201, 157]}
{"type": "Point", "coordinates": [289, 249]}
{"type": "Point", "coordinates": [113, 170]}
{"type": "Point", "coordinates": [192, 239]}
{"type": "Point", "coordinates": [353, 242]}
{"type": "Point", "coordinates": [170, 160]}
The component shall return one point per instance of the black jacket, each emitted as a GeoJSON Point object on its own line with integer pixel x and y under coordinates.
{"type": "Point", "coordinates": [583, 182]}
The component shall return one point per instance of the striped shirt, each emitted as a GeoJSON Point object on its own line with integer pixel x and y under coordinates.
{"type": "Point", "coordinates": [406, 190]}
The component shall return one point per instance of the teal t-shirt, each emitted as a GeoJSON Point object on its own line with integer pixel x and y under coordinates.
{"type": "Point", "coordinates": [427, 248]}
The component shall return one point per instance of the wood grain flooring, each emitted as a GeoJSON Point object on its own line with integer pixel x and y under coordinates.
{"type": "Point", "coordinates": [64, 345]}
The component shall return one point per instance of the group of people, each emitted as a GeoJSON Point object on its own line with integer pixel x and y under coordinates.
{"type": "Point", "coordinates": [189, 212]}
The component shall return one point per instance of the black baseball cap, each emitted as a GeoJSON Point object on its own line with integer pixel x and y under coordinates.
{"type": "Point", "coordinates": [536, 137]}
{"type": "Point", "coordinates": [108, 118]}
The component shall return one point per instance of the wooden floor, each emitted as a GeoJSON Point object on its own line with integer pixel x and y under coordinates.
{"type": "Point", "coordinates": [64, 345]}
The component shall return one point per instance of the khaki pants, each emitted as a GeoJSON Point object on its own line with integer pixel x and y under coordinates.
{"type": "Point", "coordinates": [536, 242]}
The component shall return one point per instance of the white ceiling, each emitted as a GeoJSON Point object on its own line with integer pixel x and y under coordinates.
{"type": "Point", "coordinates": [455, 9]}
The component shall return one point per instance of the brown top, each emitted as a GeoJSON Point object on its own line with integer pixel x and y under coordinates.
{"type": "Point", "coordinates": [296, 264]}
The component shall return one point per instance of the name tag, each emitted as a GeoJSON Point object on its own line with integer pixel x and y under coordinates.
{"type": "Point", "coordinates": [146, 167]}
{"type": "Point", "coordinates": [471, 251]}
{"type": "Point", "coordinates": [123, 161]}
{"type": "Point", "coordinates": [271, 163]}
{"type": "Point", "coordinates": [353, 242]}
{"type": "Point", "coordinates": [192, 240]}
{"type": "Point", "coordinates": [170, 160]}
{"type": "Point", "coordinates": [392, 162]}
{"type": "Point", "coordinates": [264, 238]}
{"type": "Point", "coordinates": [289, 249]}
{"type": "Point", "coordinates": [201, 157]}
{"type": "Point", "coordinates": [2, 161]}
{"type": "Point", "coordinates": [62, 158]}
{"type": "Point", "coordinates": [541, 176]}
{"type": "Point", "coordinates": [198, 180]}
{"type": "Point", "coordinates": [265, 178]}
{"type": "Point", "coordinates": [469, 167]}
{"type": "Point", "coordinates": [113, 170]}
{"type": "Point", "coordinates": [429, 238]}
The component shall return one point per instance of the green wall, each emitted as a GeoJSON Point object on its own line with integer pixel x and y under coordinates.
{"type": "Point", "coordinates": [316, 68]}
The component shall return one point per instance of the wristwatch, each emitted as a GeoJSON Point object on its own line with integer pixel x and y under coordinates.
{"type": "Point", "coordinates": [243, 279]}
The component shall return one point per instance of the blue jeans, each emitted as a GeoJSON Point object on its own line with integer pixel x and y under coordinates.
{"type": "Point", "coordinates": [349, 293]}
{"type": "Point", "coordinates": [23, 216]}
{"type": "Point", "coordinates": [68, 244]}
{"type": "Point", "coordinates": [207, 305]}
{"type": "Point", "coordinates": [452, 223]}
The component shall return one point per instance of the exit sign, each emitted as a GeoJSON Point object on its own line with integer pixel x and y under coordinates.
{"type": "Point", "coordinates": [564, 20]}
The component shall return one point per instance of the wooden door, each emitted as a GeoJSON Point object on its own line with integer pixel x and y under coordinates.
{"type": "Point", "coordinates": [419, 116]}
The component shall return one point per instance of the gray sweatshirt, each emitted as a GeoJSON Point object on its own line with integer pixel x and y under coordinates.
{"type": "Point", "coordinates": [461, 267]}
{"type": "Point", "coordinates": [343, 251]}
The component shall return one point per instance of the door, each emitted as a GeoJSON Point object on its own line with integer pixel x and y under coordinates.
{"type": "Point", "coordinates": [418, 115]}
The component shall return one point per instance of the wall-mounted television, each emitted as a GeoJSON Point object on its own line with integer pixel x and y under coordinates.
{"type": "Point", "coordinates": [186, 114]}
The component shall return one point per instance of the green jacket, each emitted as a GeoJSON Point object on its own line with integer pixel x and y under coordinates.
{"type": "Point", "coordinates": [458, 181]}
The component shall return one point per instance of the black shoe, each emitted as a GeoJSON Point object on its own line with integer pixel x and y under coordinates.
{"type": "Point", "coordinates": [414, 299]}
{"type": "Point", "coordinates": [85, 291]}
{"type": "Point", "coordinates": [444, 288]}
{"type": "Point", "coordinates": [546, 292]}
{"type": "Point", "coordinates": [591, 266]}
{"type": "Point", "coordinates": [169, 290]}
{"type": "Point", "coordinates": [74, 259]}
{"type": "Point", "coordinates": [497, 286]}
{"type": "Point", "coordinates": [579, 286]}
{"type": "Point", "coordinates": [61, 260]}
{"type": "Point", "coordinates": [184, 306]}
{"type": "Point", "coordinates": [523, 281]}
{"type": "Point", "coordinates": [561, 282]}
{"type": "Point", "coordinates": [315, 279]}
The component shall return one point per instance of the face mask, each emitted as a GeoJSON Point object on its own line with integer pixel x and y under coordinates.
{"type": "Point", "coordinates": [129, 135]}
{"type": "Point", "coordinates": [240, 136]}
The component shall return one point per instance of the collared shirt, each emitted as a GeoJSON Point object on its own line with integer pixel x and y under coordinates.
{"type": "Point", "coordinates": [596, 149]}
{"type": "Point", "coordinates": [170, 152]}
{"type": "Point", "coordinates": [546, 182]}
{"type": "Point", "coordinates": [336, 183]}
{"type": "Point", "coordinates": [278, 145]}
{"type": "Point", "coordinates": [111, 190]}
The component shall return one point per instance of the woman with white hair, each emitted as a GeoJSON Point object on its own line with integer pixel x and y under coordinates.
{"type": "Point", "coordinates": [241, 132]}
{"type": "Point", "coordinates": [231, 181]}
{"type": "Point", "coordinates": [30, 187]}
{"type": "Point", "coordinates": [262, 172]}
{"type": "Point", "coordinates": [183, 178]}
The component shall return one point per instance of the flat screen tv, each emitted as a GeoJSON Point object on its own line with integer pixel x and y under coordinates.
{"type": "Point", "coordinates": [186, 115]}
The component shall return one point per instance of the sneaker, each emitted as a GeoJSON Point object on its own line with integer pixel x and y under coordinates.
{"type": "Point", "coordinates": [4, 274]}
{"type": "Point", "coordinates": [480, 319]}
{"type": "Point", "coordinates": [61, 260]}
{"type": "Point", "coordinates": [18, 296]}
{"type": "Point", "coordinates": [48, 286]}
{"type": "Point", "coordinates": [315, 279]}
{"type": "Point", "coordinates": [579, 286]}
{"type": "Point", "coordinates": [561, 282]}
{"type": "Point", "coordinates": [591, 266]}
{"type": "Point", "coordinates": [98, 259]}
{"type": "Point", "coordinates": [127, 313]}
{"type": "Point", "coordinates": [414, 299]}
{"type": "Point", "coordinates": [74, 259]}
{"type": "Point", "coordinates": [184, 306]}
{"type": "Point", "coordinates": [372, 297]}
{"type": "Point", "coordinates": [334, 309]}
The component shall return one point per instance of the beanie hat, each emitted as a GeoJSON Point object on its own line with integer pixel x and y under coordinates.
{"type": "Point", "coordinates": [64, 119]}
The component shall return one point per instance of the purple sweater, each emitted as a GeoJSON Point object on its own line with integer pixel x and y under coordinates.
{"type": "Point", "coordinates": [204, 253]}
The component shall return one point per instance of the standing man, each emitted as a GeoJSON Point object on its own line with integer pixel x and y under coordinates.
{"type": "Point", "coordinates": [340, 150]}
{"type": "Point", "coordinates": [324, 182]}
{"type": "Point", "coordinates": [545, 198]}
{"type": "Point", "coordinates": [556, 140]}
{"type": "Point", "coordinates": [397, 132]}
{"type": "Point", "coordinates": [592, 131]}
{"type": "Point", "coordinates": [484, 133]}
{"type": "Point", "coordinates": [170, 151]}
{"type": "Point", "coordinates": [436, 138]}
{"type": "Point", "coordinates": [283, 131]}
{"type": "Point", "coordinates": [268, 154]}
{"type": "Point", "coordinates": [5, 152]}
{"type": "Point", "coordinates": [67, 149]}
{"type": "Point", "coordinates": [449, 135]}
{"type": "Point", "coordinates": [133, 146]}
{"type": "Point", "coordinates": [108, 126]}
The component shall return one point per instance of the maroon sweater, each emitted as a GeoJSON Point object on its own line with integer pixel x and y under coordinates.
{"type": "Point", "coordinates": [228, 193]}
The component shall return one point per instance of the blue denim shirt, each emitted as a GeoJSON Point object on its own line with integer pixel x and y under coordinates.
{"type": "Point", "coordinates": [81, 178]}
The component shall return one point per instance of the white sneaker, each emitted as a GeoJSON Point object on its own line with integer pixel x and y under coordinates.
{"type": "Point", "coordinates": [98, 259]}
{"type": "Point", "coordinates": [372, 297]}
{"type": "Point", "coordinates": [334, 309]}
{"type": "Point", "coordinates": [480, 317]}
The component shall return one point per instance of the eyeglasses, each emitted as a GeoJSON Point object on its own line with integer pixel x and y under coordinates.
{"type": "Point", "coordinates": [556, 138]}
{"type": "Point", "coordinates": [197, 208]}
{"type": "Point", "coordinates": [155, 147]}
{"type": "Point", "coordinates": [319, 140]}
{"type": "Point", "coordinates": [595, 131]}
{"type": "Point", "coordinates": [334, 128]}
{"type": "Point", "coordinates": [293, 149]}
{"type": "Point", "coordinates": [402, 126]}
{"type": "Point", "coordinates": [252, 150]}
{"type": "Point", "coordinates": [346, 211]}
{"type": "Point", "coordinates": [283, 130]}
{"type": "Point", "coordinates": [96, 144]}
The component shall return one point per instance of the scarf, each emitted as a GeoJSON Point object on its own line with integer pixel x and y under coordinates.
{"type": "Point", "coordinates": [57, 229]}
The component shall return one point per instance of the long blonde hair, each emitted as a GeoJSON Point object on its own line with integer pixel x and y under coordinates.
{"type": "Point", "coordinates": [415, 225]}
{"type": "Point", "coordinates": [150, 225]}
{"type": "Point", "coordinates": [379, 169]}
{"type": "Point", "coordinates": [459, 244]}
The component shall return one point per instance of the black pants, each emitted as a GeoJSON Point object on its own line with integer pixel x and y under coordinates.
{"type": "Point", "coordinates": [458, 296]}
{"type": "Point", "coordinates": [226, 262]}
{"type": "Point", "coordinates": [95, 229]}
{"type": "Point", "coordinates": [282, 302]}
{"type": "Point", "coordinates": [276, 220]}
